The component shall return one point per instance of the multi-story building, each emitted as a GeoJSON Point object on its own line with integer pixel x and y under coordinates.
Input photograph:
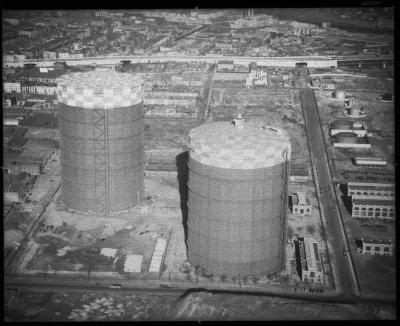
{"type": "Point", "coordinates": [10, 87]}
{"type": "Point", "coordinates": [309, 261]}
{"type": "Point", "coordinates": [301, 204]}
{"type": "Point", "coordinates": [376, 247]}
{"type": "Point", "coordinates": [372, 200]}
{"type": "Point", "coordinates": [369, 175]}
{"type": "Point", "coordinates": [371, 190]}
{"type": "Point", "coordinates": [373, 209]}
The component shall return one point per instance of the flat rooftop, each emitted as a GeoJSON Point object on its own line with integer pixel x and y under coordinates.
{"type": "Point", "coordinates": [372, 202]}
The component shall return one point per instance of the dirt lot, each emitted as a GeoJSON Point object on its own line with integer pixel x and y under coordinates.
{"type": "Point", "coordinates": [72, 242]}
{"type": "Point", "coordinates": [107, 306]}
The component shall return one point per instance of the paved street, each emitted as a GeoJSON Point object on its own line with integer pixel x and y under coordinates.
{"type": "Point", "coordinates": [333, 227]}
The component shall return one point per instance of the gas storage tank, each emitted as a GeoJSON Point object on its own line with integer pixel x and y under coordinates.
{"type": "Point", "coordinates": [342, 124]}
{"type": "Point", "coordinates": [346, 137]}
{"type": "Point", "coordinates": [101, 138]}
{"type": "Point", "coordinates": [237, 202]}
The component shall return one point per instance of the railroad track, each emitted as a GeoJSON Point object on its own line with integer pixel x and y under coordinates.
{"type": "Point", "coordinates": [31, 230]}
{"type": "Point", "coordinates": [37, 284]}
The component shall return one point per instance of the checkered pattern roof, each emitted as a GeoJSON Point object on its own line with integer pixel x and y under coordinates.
{"type": "Point", "coordinates": [254, 146]}
{"type": "Point", "coordinates": [99, 89]}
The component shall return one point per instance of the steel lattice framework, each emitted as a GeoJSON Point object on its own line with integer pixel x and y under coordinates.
{"type": "Point", "coordinates": [237, 199]}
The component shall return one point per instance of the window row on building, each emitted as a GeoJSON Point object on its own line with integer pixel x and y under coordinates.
{"type": "Point", "coordinates": [371, 192]}
{"type": "Point", "coordinates": [373, 209]}
{"type": "Point", "coordinates": [375, 247]}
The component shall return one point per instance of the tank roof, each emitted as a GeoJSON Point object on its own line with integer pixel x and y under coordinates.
{"type": "Point", "coordinates": [99, 89]}
{"type": "Point", "coordinates": [253, 145]}
{"type": "Point", "coordinates": [346, 134]}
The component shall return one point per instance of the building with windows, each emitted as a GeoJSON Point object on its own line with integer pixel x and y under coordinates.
{"type": "Point", "coordinates": [373, 209]}
{"type": "Point", "coordinates": [301, 204]}
{"type": "Point", "coordinates": [309, 260]}
{"type": "Point", "coordinates": [371, 190]}
{"type": "Point", "coordinates": [379, 175]}
{"type": "Point", "coordinates": [377, 247]}
{"type": "Point", "coordinates": [372, 200]}
{"type": "Point", "coordinates": [225, 65]}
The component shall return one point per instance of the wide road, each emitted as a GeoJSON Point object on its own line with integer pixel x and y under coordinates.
{"type": "Point", "coordinates": [328, 202]}
{"type": "Point", "coordinates": [320, 61]}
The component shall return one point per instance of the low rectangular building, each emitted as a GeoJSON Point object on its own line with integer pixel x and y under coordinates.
{"type": "Point", "coordinates": [301, 204]}
{"type": "Point", "coordinates": [157, 259]}
{"type": "Point", "coordinates": [299, 173]}
{"type": "Point", "coordinates": [373, 209]}
{"type": "Point", "coordinates": [360, 143]}
{"type": "Point", "coordinates": [377, 247]}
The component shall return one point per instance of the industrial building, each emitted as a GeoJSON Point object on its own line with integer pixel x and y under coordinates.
{"type": "Point", "coordinates": [301, 204]}
{"type": "Point", "coordinates": [371, 190]}
{"type": "Point", "coordinates": [101, 139]}
{"type": "Point", "coordinates": [23, 165]}
{"type": "Point", "coordinates": [373, 209]}
{"type": "Point", "coordinates": [238, 175]}
{"type": "Point", "coordinates": [370, 161]}
{"type": "Point", "coordinates": [378, 175]}
{"type": "Point", "coordinates": [309, 261]}
{"type": "Point", "coordinates": [376, 247]}
{"type": "Point", "coordinates": [340, 126]}
{"type": "Point", "coordinates": [350, 140]}
{"type": "Point", "coordinates": [372, 200]}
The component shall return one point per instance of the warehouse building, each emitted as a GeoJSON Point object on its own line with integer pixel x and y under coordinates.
{"type": "Point", "coordinates": [368, 174]}
{"type": "Point", "coordinates": [376, 247]}
{"type": "Point", "coordinates": [370, 161]}
{"type": "Point", "coordinates": [371, 190]}
{"type": "Point", "coordinates": [301, 204]}
{"type": "Point", "coordinates": [373, 209]}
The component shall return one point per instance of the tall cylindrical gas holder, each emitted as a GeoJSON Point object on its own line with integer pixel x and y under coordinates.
{"type": "Point", "coordinates": [102, 141]}
{"type": "Point", "coordinates": [238, 174]}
